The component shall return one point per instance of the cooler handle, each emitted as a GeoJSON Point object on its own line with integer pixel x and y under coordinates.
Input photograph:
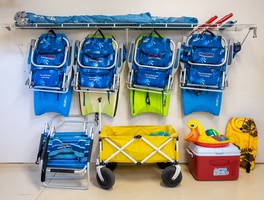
{"type": "Point", "coordinates": [189, 152]}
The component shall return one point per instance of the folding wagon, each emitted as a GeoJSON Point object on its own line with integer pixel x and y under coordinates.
{"type": "Point", "coordinates": [138, 145]}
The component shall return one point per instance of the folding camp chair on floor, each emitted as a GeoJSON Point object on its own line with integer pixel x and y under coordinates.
{"type": "Point", "coordinates": [50, 69]}
{"type": "Point", "coordinates": [205, 59]}
{"type": "Point", "coordinates": [153, 60]}
{"type": "Point", "coordinates": [99, 61]}
{"type": "Point", "coordinates": [65, 148]}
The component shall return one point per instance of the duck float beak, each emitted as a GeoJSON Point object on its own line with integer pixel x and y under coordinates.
{"type": "Point", "coordinates": [194, 133]}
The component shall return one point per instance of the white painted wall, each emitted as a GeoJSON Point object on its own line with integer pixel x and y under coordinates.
{"type": "Point", "coordinates": [20, 129]}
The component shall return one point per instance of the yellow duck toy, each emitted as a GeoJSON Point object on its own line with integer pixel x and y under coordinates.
{"type": "Point", "coordinates": [209, 138]}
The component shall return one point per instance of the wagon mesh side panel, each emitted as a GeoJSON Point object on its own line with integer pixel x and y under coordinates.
{"type": "Point", "coordinates": [138, 149]}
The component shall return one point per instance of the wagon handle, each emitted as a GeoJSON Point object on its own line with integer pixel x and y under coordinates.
{"type": "Point", "coordinates": [100, 113]}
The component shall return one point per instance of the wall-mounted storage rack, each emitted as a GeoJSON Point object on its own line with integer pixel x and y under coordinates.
{"type": "Point", "coordinates": [130, 26]}
{"type": "Point", "coordinates": [125, 26]}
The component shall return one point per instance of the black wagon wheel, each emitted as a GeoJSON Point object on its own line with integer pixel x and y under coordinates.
{"type": "Point", "coordinates": [109, 178]}
{"type": "Point", "coordinates": [111, 165]}
{"type": "Point", "coordinates": [163, 165]}
{"type": "Point", "coordinates": [167, 175]}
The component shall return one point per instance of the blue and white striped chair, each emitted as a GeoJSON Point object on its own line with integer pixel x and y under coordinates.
{"type": "Point", "coordinates": [66, 152]}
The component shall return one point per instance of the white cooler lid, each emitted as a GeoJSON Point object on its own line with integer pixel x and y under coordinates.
{"type": "Point", "coordinates": [229, 150]}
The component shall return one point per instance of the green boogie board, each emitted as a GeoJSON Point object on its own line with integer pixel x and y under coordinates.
{"type": "Point", "coordinates": [147, 102]}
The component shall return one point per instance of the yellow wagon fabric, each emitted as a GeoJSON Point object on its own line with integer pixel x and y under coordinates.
{"type": "Point", "coordinates": [138, 149]}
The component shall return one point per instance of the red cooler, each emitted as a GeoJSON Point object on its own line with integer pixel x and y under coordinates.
{"type": "Point", "coordinates": [213, 164]}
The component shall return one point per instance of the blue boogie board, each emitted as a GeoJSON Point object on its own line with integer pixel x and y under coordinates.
{"type": "Point", "coordinates": [201, 101]}
{"type": "Point", "coordinates": [52, 102]}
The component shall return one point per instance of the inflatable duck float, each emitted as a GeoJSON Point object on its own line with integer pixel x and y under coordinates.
{"type": "Point", "coordinates": [208, 138]}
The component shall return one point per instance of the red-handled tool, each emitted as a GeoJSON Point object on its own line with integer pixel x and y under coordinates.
{"type": "Point", "coordinates": [220, 21]}
{"type": "Point", "coordinates": [207, 23]}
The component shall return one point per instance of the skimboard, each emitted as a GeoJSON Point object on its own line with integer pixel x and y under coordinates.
{"type": "Point", "coordinates": [243, 133]}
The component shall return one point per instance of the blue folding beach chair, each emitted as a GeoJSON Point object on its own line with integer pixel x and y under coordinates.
{"type": "Point", "coordinates": [153, 60]}
{"type": "Point", "coordinates": [65, 148]}
{"type": "Point", "coordinates": [205, 58]}
{"type": "Point", "coordinates": [99, 61]}
{"type": "Point", "coordinates": [50, 69]}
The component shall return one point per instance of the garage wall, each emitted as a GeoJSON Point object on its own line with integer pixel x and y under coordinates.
{"type": "Point", "coordinates": [20, 129]}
